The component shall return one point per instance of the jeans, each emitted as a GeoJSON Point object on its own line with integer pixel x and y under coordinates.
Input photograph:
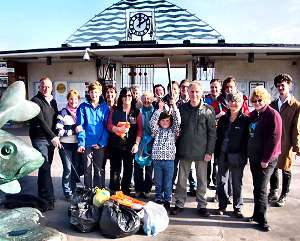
{"type": "Point", "coordinates": [261, 177]}
{"type": "Point", "coordinates": [286, 181]}
{"type": "Point", "coordinates": [163, 175]}
{"type": "Point", "coordinates": [117, 158]}
{"type": "Point", "coordinates": [45, 185]}
{"type": "Point", "coordinates": [69, 156]}
{"type": "Point", "coordinates": [223, 178]}
{"type": "Point", "coordinates": [93, 159]}
{"type": "Point", "coordinates": [143, 183]}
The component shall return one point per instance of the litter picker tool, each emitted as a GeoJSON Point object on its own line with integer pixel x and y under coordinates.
{"type": "Point", "coordinates": [170, 82]}
{"type": "Point", "coordinates": [169, 77]}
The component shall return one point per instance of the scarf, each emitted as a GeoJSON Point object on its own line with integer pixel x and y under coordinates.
{"type": "Point", "coordinates": [72, 112]}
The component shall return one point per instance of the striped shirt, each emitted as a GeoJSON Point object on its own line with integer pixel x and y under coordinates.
{"type": "Point", "coordinates": [65, 127]}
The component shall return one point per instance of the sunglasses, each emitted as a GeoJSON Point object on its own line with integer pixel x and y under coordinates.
{"type": "Point", "coordinates": [255, 101]}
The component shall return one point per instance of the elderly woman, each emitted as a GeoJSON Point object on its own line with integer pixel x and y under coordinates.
{"type": "Point", "coordinates": [143, 174]}
{"type": "Point", "coordinates": [230, 151]}
{"type": "Point", "coordinates": [264, 147]}
{"type": "Point", "coordinates": [125, 124]}
{"type": "Point", "coordinates": [136, 95]}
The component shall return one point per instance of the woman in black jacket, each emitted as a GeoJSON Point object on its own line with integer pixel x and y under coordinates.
{"type": "Point", "coordinates": [126, 127]}
{"type": "Point", "coordinates": [230, 151]}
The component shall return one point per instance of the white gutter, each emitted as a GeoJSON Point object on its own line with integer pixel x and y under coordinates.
{"type": "Point", "coordinates": [179, 50]}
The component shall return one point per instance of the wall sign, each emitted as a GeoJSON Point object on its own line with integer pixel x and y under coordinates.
{"type": "Point", "coordinates": [3, 69]}
{"type": "Point", "coordinates": [61, 88]}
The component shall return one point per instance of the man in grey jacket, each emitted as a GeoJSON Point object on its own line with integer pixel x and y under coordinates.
{"type": "Point", "coordinates": [196, 144]}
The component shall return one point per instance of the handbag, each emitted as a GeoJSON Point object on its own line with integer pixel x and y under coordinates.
{"type": "Point", "coordinates": [143, 156]}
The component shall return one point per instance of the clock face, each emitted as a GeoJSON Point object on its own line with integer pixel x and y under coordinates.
{"type": "Point", "coordinates": [139, 24]}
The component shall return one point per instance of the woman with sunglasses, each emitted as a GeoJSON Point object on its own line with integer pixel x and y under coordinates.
{"type": "Point", "coordinates": [125, 124]}
{"type": "Point", "coordinates": [264, 147]}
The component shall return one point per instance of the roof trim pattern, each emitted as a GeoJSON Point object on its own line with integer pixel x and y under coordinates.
{"type": "Point", "coordinates": [171, 23]}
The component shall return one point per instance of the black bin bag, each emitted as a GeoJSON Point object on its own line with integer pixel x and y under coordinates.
{"type": "Point", "coordinates": [118, 221]}
{"type": "Point", "coordinates": [84, 216]}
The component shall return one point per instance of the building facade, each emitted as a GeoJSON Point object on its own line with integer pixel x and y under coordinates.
{"type": "Point", "coordinates": [130, 42]}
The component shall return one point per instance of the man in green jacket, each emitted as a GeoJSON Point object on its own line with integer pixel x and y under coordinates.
{"type": "Point", "coordinates": [196, 144]}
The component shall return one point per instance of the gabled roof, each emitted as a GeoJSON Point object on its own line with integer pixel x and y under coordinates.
{"type": "Point", "coordinates": [171, 23]}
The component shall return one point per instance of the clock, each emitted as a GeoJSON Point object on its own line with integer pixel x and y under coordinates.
{"type": "Point", "coordinates": [139, 24]}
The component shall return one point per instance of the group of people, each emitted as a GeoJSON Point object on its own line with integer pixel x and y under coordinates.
{"type": "Point", "coordinates": [174, 130]}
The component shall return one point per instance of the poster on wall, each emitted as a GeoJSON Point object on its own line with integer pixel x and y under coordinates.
{"type": "Point", "coordinates": [4, 82]}
{"type": "Point", "coordinates": [3, 69]}
{"type": "Point", "coordinates": [252, 86]}
{"type": "Point", "coordinates": [242, 86]}
{"type": "Point", "coordinates": [61, 89]}
{"type": "Point", "coordinates": [60, 93]}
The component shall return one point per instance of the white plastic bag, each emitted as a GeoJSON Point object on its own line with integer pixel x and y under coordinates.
{"type": "Point", "coordinates": [155, 218]}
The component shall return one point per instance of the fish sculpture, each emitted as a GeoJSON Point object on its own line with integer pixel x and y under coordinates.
{"type": "Point", "coordinates": [17, 158]}
{"type": "Point", "coordinates": [23, 224]}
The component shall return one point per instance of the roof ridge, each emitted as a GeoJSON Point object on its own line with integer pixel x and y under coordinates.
{"type": "Point", "coordinates": [110, 25]}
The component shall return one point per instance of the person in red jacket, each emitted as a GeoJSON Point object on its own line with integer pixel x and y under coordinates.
{"type": "Point", "coordinates": [220, 105]}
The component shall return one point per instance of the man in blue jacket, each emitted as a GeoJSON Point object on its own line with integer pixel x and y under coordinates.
{"type": "Point", "coordinates": [92, 116]}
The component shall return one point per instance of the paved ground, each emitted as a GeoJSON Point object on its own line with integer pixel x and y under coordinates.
{"type": "Point", "coordinates": [187, 225]}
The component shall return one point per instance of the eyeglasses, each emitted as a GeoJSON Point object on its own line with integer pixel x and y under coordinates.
{"type": "Point", "coordinates": [255, 101]}
{"type": "Point", "coordinates": [128, 95]}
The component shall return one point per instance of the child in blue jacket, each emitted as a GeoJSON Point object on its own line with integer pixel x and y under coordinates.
{"type": "Point", "coordinates": [92, 116]}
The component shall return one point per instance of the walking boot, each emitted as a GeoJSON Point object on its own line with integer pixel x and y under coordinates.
{"type": "Point", "coordinates": [281, 201]}
{"type": "Point", "coordinates": [273, 196]}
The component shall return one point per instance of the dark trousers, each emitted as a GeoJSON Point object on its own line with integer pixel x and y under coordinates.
{"type": "Point", "coordinates": [45, 185]}
{"type": "Point", "coordinates": [223, 183]}
{"type": "Point", "coordinates": [143, 183]}
{"type": "Point", "coordinates": [212, 170]}
{"type": "Point", "coordinates": [71, 160]}
{"type": "Point", "coordinates": [93, 159]}
{"type": "Point", "coordinates": [286, 181]}
{"type": "Point", "coordinates": [117, 158]}
{"type": "Point", "coordinates": [261, 177]}
{"type": "Point", "coordinates": [107, 155]}
{"type": "Point", "coordinates": [191, 179]}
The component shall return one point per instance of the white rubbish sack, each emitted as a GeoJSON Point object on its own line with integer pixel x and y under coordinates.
{"type": "Point", "coordinates": [155, 218]}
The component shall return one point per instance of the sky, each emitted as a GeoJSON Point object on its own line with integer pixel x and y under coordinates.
{"type": "Point", "coordinates": [34, 24]}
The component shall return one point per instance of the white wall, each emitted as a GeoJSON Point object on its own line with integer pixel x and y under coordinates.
{"type": "Point", "coordinates": [67, 71]}
{"type": "Point", "coordinates": [260, 70]}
